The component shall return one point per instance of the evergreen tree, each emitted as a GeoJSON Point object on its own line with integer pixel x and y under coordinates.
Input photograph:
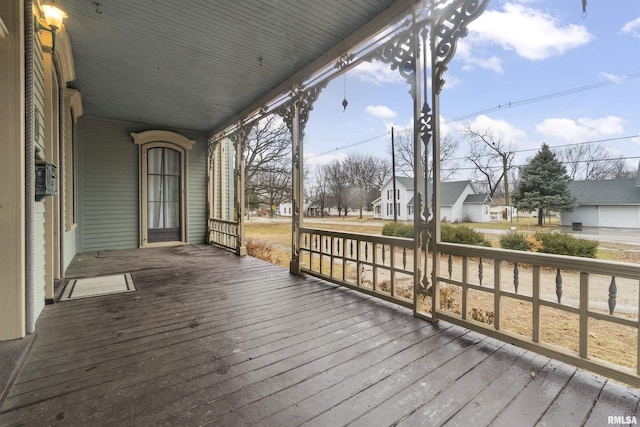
{"type": "Point", "coordinates": [544, 184]}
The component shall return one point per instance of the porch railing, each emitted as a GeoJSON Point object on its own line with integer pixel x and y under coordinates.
{"type": "Point", "coordinates": [377, 265]}
{"type": "Point", "coordinates": [578, 310]}
{"type": "Point", "coordinates": [223, 233]}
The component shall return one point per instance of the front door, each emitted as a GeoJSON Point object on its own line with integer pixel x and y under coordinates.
{"type": "Point", "coordinates": [163, 195]}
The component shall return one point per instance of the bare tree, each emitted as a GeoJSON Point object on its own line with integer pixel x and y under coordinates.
{"type": "Point", "coordinates": [317, 189]}
{"type": "Point", "coordinates": [272, 185]}
{"type": "Point", "coordinates": [403, 142]}
{"type": "Point", "coordinates": [366, 173]}
{"type": "Point", "coordinates": [267, 162]}
{"type": "Point", "coordinates": [338, 186]}
{"type": "Point", "coordinates": [492, 157]}
{"type": "Point", "coordinates": [592, 162]}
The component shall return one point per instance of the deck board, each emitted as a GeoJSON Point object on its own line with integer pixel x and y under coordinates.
{"type": "Point", "coordinates": [211, 338]}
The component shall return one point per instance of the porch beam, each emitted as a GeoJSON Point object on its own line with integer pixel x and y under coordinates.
{"type": "Point", "coordinates": [375, 26]}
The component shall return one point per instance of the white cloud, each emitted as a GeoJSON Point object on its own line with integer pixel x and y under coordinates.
{"type": "Point", "coordinates": [632, 27]}
{"type": "Point", "coordinates": [498, 128]}
{"type": "Point", "coordinates": [610, 76]}
{"type": "Point", "coordinates": [531, 33]}
{"type": "Point", "coordinates": [376, 72]}
{"type": "Point", "coordinates": [583, 129]}
{"type": "Point", "coordinates": [381, 111]}
{"type": "Point", "coordinates": [466, 51]}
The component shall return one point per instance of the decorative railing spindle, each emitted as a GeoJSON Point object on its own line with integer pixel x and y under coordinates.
{"type": "Point", "coordinates": [450, 265]}
{"type": "Point", "coordinates": [559, 285]}
{"type": "Point", "coordinates": [404, 258]}
{"type": "Point", "coordinates": [480, 268]}
{"type": "Point", "coordinates": [516, 276]}
{"type": "Point", "coordinates": [613, 290]}
{"type": "Point", "coordinates": [383, 260]}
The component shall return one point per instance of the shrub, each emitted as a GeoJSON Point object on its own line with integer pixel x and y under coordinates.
{"type": "Point", "coordinates": [514, 241]}
{"type": "Point", "coordinates": [463, 235]}
{"type": "Point", "coordinates": [565, 244]}
{"type": "Point", "coordinates": [480, 315]}
{"type": "Point", "coordinates": [398, 229]}
{"type": "Point", "coordinates": [452, 234]}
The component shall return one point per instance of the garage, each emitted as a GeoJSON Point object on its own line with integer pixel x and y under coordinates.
{"type": "Point", "coordinates": [619, 216]}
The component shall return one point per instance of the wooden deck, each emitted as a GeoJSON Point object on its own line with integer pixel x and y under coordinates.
{"type": "Point", "coordinates": [211, 338]}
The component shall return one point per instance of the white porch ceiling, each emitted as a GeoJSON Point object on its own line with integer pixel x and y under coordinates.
{"type": "Point", "coordinates": [197, 64]}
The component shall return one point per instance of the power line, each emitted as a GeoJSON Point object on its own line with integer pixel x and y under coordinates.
{"type": "Point", "coordinates": [564, 163]}
{"type": "Point", "coordinates": [546, 97]}
{"type": "Point", "coordinates": [509, 104]}
{"type": "Point", "coordinates": [559, 146]}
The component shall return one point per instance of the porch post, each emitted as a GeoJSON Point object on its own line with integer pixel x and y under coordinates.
{"type": "Point", "coordinates": [448, 25]}
{"type": "Point", "coordinates": [297, 194]}
{"type": "Point", "coordinates": [295, 114]}
{"type": "Point", "coordinates": [239, 143]}
{"type": "Point", "coordinates": [418, 182]}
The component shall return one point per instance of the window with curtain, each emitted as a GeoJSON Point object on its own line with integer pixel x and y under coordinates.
{"type": "Point", "coordinates": [163, 194]}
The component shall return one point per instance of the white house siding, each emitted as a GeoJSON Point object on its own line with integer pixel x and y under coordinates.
{"type": "Point", "coordinates": [619, 216]}
{"type": "Point", "coordinates": [476, 212]}
{"type": "Point", "coordinates": [40, 259]}
{"type": "Point", "coordinates": [589, 216]}
{"type": "Point", "coordinates": [70, 245]}
{"type": "Point", "coordinates": [458, 208]}
{"type": "Point", "coordinates": [109, 193]}
{"type": "Point", "coordinates": [402, 198]}
{"type": "Point", "coordinates": [446, 213]}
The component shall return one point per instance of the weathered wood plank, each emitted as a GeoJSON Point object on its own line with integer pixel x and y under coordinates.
{"type": "Point", "coordinates": [575, 402]}
{"type": "Point", "coordinates": [213, 338]}
{"type": "Point", "coordinates": [335, 394]}
{"type": "Point", "coordinates": [615, 400]}
{"type": "Point", "coordinates": [484, 407]}
{"type": "Point", "coordinates": [474, 381]}
{"type": "Point", "coordinates": [530, 404]}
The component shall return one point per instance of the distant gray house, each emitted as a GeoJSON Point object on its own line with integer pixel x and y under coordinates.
{"type": "Point", "coordinates": [458, 200]}
{"type": "Point", "coordinates": [609, 203]}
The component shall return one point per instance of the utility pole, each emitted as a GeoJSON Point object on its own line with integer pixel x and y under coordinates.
{"type": "Point", "coordinates": [506, 186]}
{"type": "Point", "coordinates": [393, 177]}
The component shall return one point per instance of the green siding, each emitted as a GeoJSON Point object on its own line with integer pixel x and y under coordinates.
{"type": "Point", "coordinates": [110, 186]}
{"type": "Point", "coordinates": [197, 190]}
{"type": "Point", "coordinates": [109, 189]}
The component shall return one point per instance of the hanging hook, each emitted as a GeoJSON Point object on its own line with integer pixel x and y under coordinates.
{"type": "Point", "coordinates": [98, 10]}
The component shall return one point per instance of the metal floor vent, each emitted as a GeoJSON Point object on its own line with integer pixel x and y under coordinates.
{"type": "Point", "coordinates": [97, 286]}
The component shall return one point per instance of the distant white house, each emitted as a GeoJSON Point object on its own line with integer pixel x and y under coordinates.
{"type": "Point", "coordinates": [458, 200]}
{"type": "Point", "coordinates": [607, 203]}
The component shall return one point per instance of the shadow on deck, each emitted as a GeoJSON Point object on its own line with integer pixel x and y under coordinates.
{"type": "Point", "coordinates": [213, 338]}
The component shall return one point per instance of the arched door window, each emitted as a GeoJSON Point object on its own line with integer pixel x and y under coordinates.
{"type": "Point", "coordinates": [163, 187]}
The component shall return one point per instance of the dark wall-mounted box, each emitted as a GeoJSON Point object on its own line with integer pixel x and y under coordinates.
{"type": "Point", "coordinates": [46, 177]}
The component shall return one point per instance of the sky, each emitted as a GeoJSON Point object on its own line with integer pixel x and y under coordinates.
{"type": "Point", "coordinates": [530, 71]}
